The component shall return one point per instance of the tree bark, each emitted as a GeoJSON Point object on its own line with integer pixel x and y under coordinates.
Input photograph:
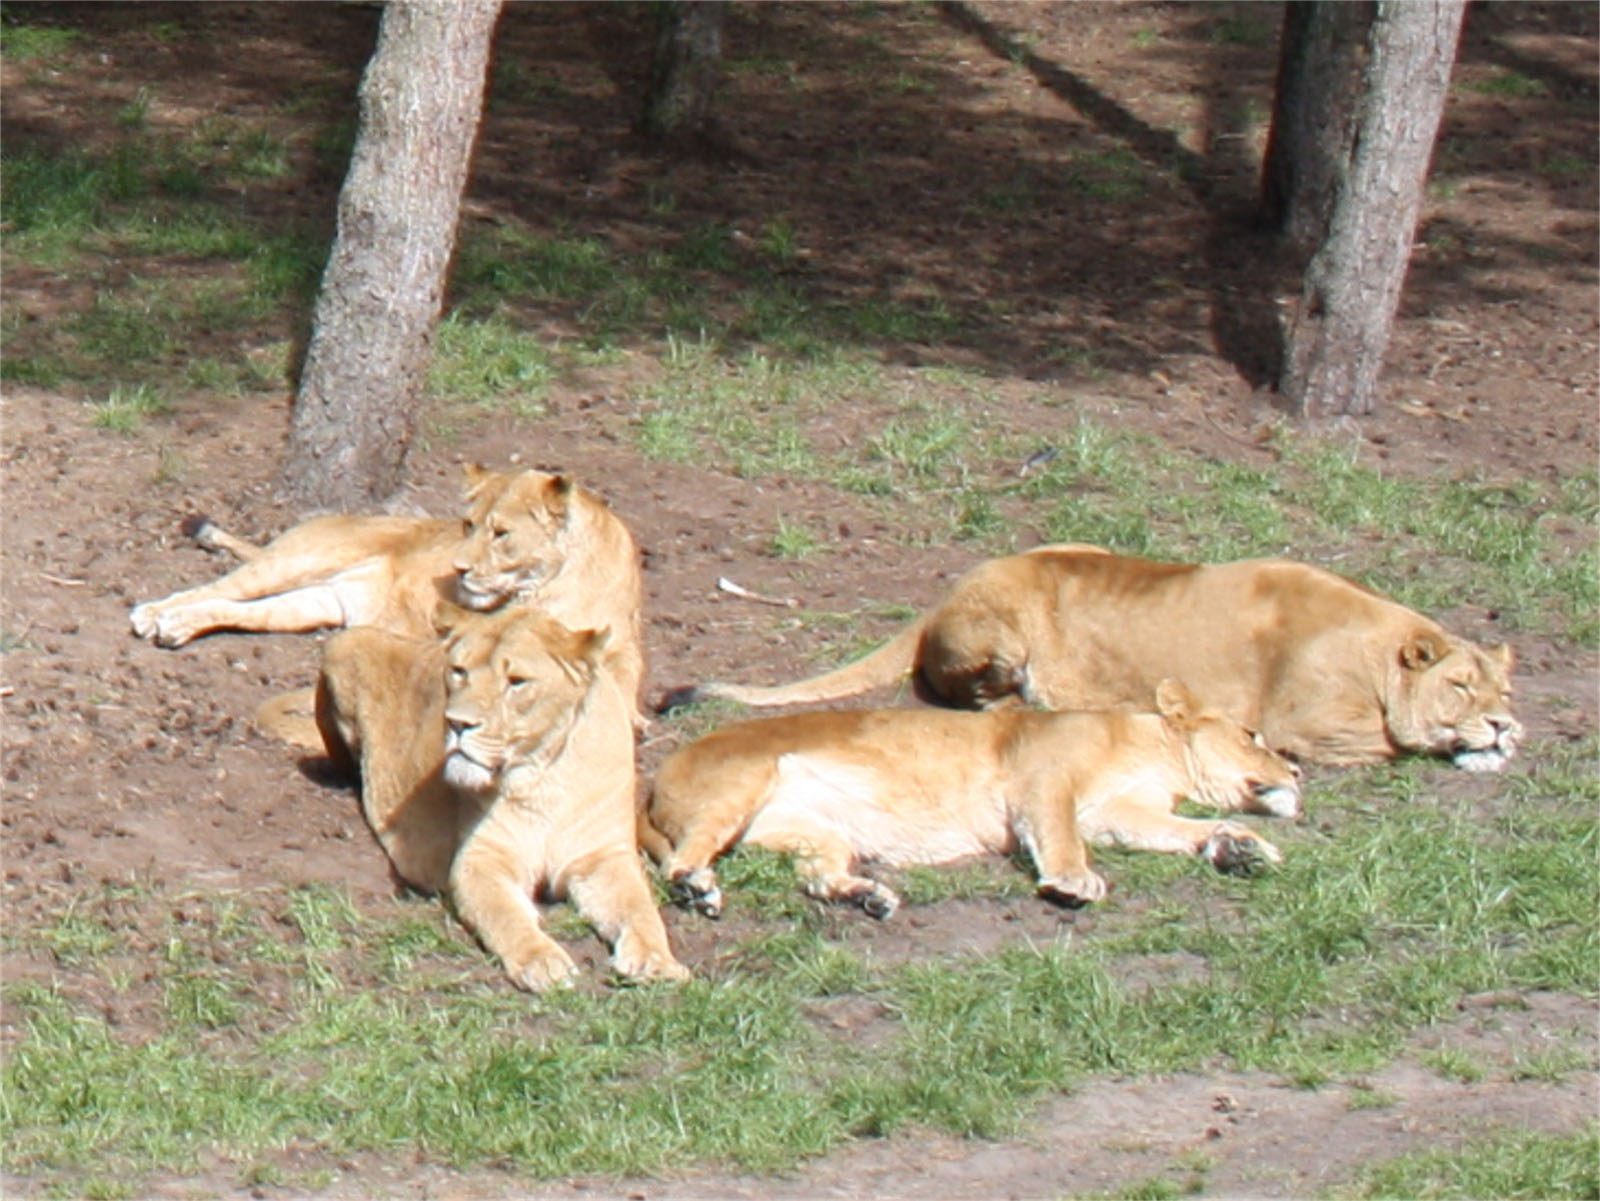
{"type": "Point", "coordinates": [1352, 285]}
{"type": "Point", "coordinates": [1321, 69]}
{"type": "Point", "coordinates": [360, 392]}
{"type": "Point", "coordinates": [683, 72]}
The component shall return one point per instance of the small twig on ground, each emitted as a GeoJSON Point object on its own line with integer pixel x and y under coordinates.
{"type": "Point", "coordinates": [728, 586]}
{"type": "Point", "coordinates": [62, 580]}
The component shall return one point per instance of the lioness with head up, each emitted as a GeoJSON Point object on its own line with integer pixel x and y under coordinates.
{"type": "Point", "coordinates": [529, 537]}
{"type": "Point", "coordinates": [1327, 670]}
{"type": "Point", "coordinates": [497, 765]}
{"type": "Point", "coordinates": [910, 786]}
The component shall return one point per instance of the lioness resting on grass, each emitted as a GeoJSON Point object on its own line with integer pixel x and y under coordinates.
{"type": "Point", "coordinates": [908, 786]}
{"type": "Point", "coordinates": [529, 537]}
{"type": "Point", "coordinates": [495, 765]}
{"type": "Point", "coordinates": [1327, 670]}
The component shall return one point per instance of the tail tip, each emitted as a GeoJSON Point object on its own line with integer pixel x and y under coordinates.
{"type": "Point", "coordinates": [194, 526]}
{"type": "Point", "coordinates": [678, 698]}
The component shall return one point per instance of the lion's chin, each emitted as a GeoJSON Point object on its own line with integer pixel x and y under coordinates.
{"type": "Point", "coordinates": [1279, 801]}
{"type": "Point", "coordinates": [1489, 758]}
{"type": "Point", "coordinates": [467, 774]}
{"type": "Point", "coordinates": [479, 600]}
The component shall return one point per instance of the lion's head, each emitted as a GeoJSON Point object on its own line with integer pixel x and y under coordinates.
{"type": "Point", "coordinates": [1452, 697]}
{"type": "Point", "coordinates": [512, 536]}
{"type": "Point", "coordinates": [515, 682]}
{"type": "Point", "coordinates": [1231, 766]}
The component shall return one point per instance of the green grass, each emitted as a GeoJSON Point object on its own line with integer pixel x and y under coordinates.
{"type": "Point", "coordinates": [390, 1029]}
{"type": "Point", "coordinates": [1508, 1164]}
{"type": "Point", "coordinates": [124, 410]}
{"type": "Point", "coordinates": [1507, 84]}
{"type": "Point", "coordinates": [21, 43]}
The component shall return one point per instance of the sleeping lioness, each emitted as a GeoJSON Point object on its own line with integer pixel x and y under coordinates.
{"type": "Point", "coordinates": [908, 786]}
{"type": "Point", "coordinates": [495, 765]}
{"type": "Point", "coordinates": [1327, 670]}
{"type": "Point", "coordinates": [529, 537]}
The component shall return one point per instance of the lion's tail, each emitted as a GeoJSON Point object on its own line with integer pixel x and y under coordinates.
{"type": "Point", "coordinates": [893, 661]}
{"type": "Point", "coordinates": [292, 717]}
{"type": "Point", "coordinates": [213, 537]}
{"type": "Point", "coordinates": [654, 843]}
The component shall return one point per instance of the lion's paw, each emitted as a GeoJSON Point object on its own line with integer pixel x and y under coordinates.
{"type": "Point", "coordinates": [550, 967]}
{"type": "Point", "coordinates": [1073, 891]}
{"type": "Point", "coordinates": [698, 890]}
{"type": "Point", "coordinates": [162, 627]}
{"type": "Point", "coordinates": [643, 969]}
{"type": "Point", "coordinates": [1238, 851]}
{"type": "Point", "coordinates": [878, 901]}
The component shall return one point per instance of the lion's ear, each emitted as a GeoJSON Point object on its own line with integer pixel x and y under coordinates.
{"type": "Point", "coordinates": [594, 644]}
{"type": "Point", "coordinates": [474, 474]}
{"type": "Point", "coordinates": [1422, 650]}
{"type": "Point", "coordinates": [1504, 656]}
{"type": "Point", "coordinates": [558, 490]}
{"type": "Point", "coordinates": [1175, 702]}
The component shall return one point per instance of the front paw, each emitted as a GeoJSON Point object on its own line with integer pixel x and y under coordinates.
{"type": "Point", "coordinates": [163, 628]}
{"type": "Point", "coordinates": [878, 901]}
{"type": "Point", "coordinates": [1073, 891]}
{"type": "Point", "coordinates": [1238, 851]}
{"type": "Point", "coordinates": [646, 968]}
{"type": "Point", "coordinates": [698, 890]}
{"type": "Point", "coordinates": [549, 967]}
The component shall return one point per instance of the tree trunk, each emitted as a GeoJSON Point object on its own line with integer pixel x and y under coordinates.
{"type": "Point", "coordinates": [683, 71]}
{"type": "Point", "coordinates": [360, 390]}
{"type": "Point", "coordinates": [1321, 68]}
{"type": "Point", "coordinates": [1352, 285]}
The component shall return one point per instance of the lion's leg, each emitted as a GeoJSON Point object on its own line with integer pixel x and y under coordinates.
{"type": "Point", "coordinates": [823, 858]}
{"type": "Point", "coordinates": [715, 823]}
{"type": "Point", "coordinates": [1047, 828]}
{"type": "Point", "coordinates": [185, 616]}
{"type": "Point", "coordinates": [611, 892]}
{"type": "Point", "coordinates": [494, 900]}
{"type": "Point", "coordinates": [1130, 822]}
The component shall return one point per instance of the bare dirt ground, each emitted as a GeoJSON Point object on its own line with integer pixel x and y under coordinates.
{"type": "Point", "coordinates": [125, 761]}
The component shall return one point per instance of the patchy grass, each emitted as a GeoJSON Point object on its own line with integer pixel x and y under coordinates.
{"type": "Point", "coordinates": [1502, 1163]}
{"type": "Point", "coordinates": [1383, 916]}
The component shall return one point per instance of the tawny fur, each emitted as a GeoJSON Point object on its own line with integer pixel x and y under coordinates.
{"type": "Point", "coordinates": [907, 786]}
{"type": "Point", "coordinates": [1327, 670]}
{"type": "Point", "coordinates": [529, 538]}
{"type": "Point", "coordinates": [497, 765]}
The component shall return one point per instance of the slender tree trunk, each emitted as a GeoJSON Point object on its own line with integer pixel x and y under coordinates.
{"type": "Point", "coordinates": [1321, 69]}
{"type": "Point", "coordinates": [1352, 286]}
{"type": "Point", "coordinates": [372, 331]}
{"type": "Point", "coordinates": [683, 71]}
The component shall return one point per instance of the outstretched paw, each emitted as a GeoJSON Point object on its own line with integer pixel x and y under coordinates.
{"type": "Point", "coordinates": [878, 901]}
{"type": "Point", "coordinates": [698, 890]}
{"type": "Point", "coordinates": [549, 968]}
{"type": "Point", "coordinates": [1074, 891]}
{"type": "Point", "coordinates": [1239, 852]}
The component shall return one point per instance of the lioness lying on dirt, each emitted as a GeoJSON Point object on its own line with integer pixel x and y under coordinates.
{"type": "Point", "coordinates": [1327, 670]}
{"type": "Point", "coordinates": [495, 765]}
{"type": "Point", "coordinates": [528, 537]}
{"type": "Point", "coordinates": [911, 786]}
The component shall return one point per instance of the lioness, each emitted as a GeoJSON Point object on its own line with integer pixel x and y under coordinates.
{"type": "Point", "coordinates": [529, 537]}
{"type": "Point", "coordinates": [1327, 670]}
{"type": "Point", "coordinates": [496, 764]}
{"type": "Point", "coordinates": [930, 785]}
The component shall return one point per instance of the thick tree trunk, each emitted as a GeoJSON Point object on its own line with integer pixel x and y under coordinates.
{"type": "Point", "coordinates": [1321, 69]}
{"type": "Point", "coordinates": [372, 331]}
{"type": "Point", "coordinates": [1341, 328]}
{"type": "Point", "coordinates": [683, 71]}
